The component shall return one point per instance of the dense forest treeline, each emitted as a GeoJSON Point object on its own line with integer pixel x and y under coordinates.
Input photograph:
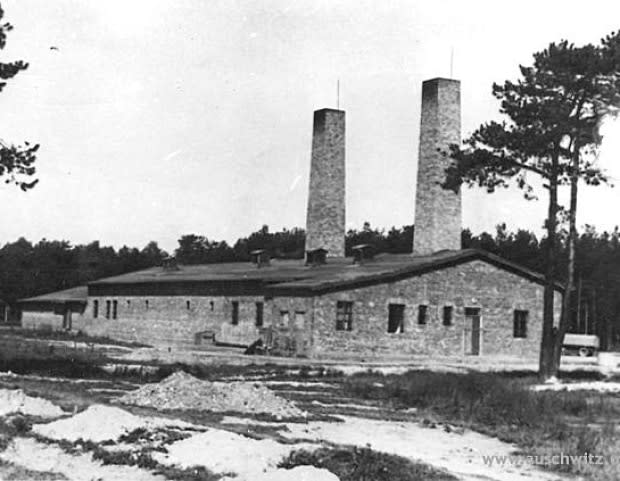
{"type": "Point", "coordinates": [28, 269]}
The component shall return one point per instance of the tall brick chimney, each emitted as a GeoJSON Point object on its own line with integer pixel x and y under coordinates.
{"type": "Point", "coordinates": [437, 210]}
{"type": "Point", "coordinates": [325, 219]}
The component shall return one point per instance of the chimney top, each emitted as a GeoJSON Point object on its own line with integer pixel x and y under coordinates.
{"type": "Point", "coordinates": [362, 253]}
{"type": "Point", "coordinates": [316, 257]}
{"type": "Point", "coordinates": [169, 264]}
{"type": "Point", "coordinates": [260, 257]}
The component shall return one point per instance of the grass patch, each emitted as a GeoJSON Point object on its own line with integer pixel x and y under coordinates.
{"type": "Point", "coordinates": [12, 472]}
{"type": "Point", "coordinates": [79, 336]}
{"type": "Point", "coordinates": [11, 427]}
{"type": "Point", "coordinates": [140, 457]}
{"type": "Point", "coordinates": [539, 422]}
{"type": "Point", "coordinates": [364, 464]}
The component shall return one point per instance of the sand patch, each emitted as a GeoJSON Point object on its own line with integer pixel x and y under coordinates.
{"type": "Point", "coordinates": [598, 386]}
{"type": "Point", "coordinates": [13, 401]}
{"type": "Point", "coordinates": [102, 423]}
{"type": "Point", "coordinates": [224, 452]}
{"type": "Point", "coordinates": [37, 456]}
{"type": "Point", "coordinates": [460, 454]}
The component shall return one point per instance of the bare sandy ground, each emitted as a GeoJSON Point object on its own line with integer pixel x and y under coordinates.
{"type": "Point", "coordinates": [256, 459]}
{"type": "Point", "coordinates": [460, 454]}
{"type": "Point", "coordinates": [38, 456]}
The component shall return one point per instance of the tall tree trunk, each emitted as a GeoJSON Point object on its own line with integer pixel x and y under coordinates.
{"type": "Point", "coordinates": [546, 362]}
{"type": "Point", "coordinates": [572, 243]}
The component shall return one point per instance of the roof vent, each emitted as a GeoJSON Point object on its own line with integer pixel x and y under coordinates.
{"type": "Point", "coordinates": [316, 257]}
{"type": "Point", "coordinates": [362, 253]}
{"type": "Point", "coordinates": [260, 257]}
{"type": "Point", "coordinates": [169, 264]}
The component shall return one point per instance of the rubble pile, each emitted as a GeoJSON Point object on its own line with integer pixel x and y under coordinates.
{"type": "Point", "coordinates": [183, 391]}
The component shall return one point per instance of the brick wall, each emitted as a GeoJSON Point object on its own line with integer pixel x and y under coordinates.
{"type": "Point", "coordinates": [168, 321]}
{"type": "Point", "coordinates": [476, 284]}
{"type": "Point", "coordinates": [437, 210]}
{"type": "Point", "coordinates": [292, 325]}
{"type": "Point", "coordinates": [325, 219]}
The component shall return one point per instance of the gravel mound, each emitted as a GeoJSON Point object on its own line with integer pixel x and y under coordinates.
{"type": "Point", "coordinates": [183, 391]}
{"type": "Point", "coordinates": [14, 401]}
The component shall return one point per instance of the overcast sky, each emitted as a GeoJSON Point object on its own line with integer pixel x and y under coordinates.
{"type": "Point", "coordinates": [163, 118]}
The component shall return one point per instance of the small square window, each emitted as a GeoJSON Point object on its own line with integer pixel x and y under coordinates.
{"type": "Point", "coordinates": [520, 323]}
{"type": "Point", "coordinates": [344, 316]}
{"type": "Point", "coordinates": [422, 314]}
{"type": "Point", "coordinates": [448, 314]}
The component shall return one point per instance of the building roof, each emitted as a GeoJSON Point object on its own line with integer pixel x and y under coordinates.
{"type": "Point", "coordinates": [76, 294]}
{"type": "Point", "coordinates": [288, 277]}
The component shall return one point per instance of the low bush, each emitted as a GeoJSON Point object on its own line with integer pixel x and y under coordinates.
{"type": "Point", "coordinates": [364, 464]}
{"type": "Point", "coordinates": [483, 398]}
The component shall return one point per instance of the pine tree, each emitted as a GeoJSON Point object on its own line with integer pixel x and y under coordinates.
{"type": "Point", "coordinates": [550, 132]}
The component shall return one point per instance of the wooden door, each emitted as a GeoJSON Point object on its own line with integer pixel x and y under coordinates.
{"type": "Point", "coordinates": [66, 320]}
{"type": "Point", "coordinates": [300, 333]}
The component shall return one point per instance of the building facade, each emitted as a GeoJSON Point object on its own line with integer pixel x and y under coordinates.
{"type": "Point", "coordinates": [454, 303]}
{"type": "Point", "coordinates": [439, 300]}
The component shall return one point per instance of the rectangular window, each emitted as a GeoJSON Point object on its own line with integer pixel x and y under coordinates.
{"type": "Point", "coordinates": [95, 309]}
{"type": "Point", "coordinates": [235, 313]}
{"type": "Point", "coordinates": [188, 305]}
{"type": "Point", "coordinates": [146, 304]}
{"type": "Point", "coordinates": [259, 314]}
{"type": "Point", "coordinates": [284, 318]}
{"type": "Point", "coordinates": [108, 307]}
{"type": "Point", "coordinates": [396, 318]}
{"type": "Point", "coordinates": [448, 312]}
{"type": "Point", "coordinates": [520, 323]}
{"type": "Point", "coordinates": [114, 309]}
{"type": "Point", "coordinates": [344, 316]}
{"type": "Point", "coordinates": [300, 319]}
{"type": "Point", "coordinates": [422, 314]}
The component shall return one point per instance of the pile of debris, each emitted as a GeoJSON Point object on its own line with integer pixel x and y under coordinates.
{"type": "Point", "coordinates": [183, 391]}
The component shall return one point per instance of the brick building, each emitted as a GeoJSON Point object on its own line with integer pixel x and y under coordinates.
{"type": "Point", "coordinates": [439, 300]}
{"type": "Point", "coordinates": [54, 311]}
